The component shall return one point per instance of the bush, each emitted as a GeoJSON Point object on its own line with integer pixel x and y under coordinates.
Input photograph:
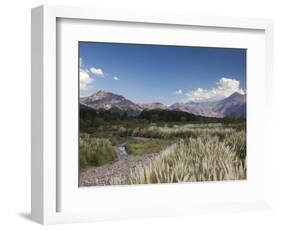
{"type": "Point", "coordinates": [95, 151]}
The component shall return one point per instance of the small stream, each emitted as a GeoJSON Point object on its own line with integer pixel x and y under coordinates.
{"type": "Point", "coordinates": [121, 150]}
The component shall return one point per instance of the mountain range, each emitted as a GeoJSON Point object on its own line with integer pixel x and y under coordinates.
{"type": "Point", "coordinates": [234, 104]}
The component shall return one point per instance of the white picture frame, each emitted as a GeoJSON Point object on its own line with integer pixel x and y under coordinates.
{"type": "Point", "coordinates": [46, 181]}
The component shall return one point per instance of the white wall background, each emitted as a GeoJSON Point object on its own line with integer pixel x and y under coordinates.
{"type": "Point", "coordinates": [15, 112]}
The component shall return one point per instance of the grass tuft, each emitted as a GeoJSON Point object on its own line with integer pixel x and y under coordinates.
{"type": "Point", "coordinates": [95, 151]}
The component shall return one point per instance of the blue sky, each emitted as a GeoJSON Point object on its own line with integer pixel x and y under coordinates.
{"type": "Point", "coordinates": [157, 73]}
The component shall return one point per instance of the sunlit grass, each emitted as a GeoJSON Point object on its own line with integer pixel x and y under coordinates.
{"type": "Point", "coordinates": [184, 131]}
{"type": "Point", "coordinates": [204, 158]}
{"type": "Point", "coordinates": [187, 153]}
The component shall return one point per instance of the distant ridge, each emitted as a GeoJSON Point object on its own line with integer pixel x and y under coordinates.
{"type": "Point", "coordinates": [235, 104]}
{"type": "Point", "coordinates": [154, 106]}
{"type": "Point", "coordinates": [101, 100]}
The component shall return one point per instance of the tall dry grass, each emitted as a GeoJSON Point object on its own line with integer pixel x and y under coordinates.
{"type": "Point", "coordinates": [190, 130]}
{"type": "Point", "coordinates": [204, 158]}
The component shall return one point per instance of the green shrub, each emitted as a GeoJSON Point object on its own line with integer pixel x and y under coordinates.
{"type": "Point", "coordinates": [95, 151]}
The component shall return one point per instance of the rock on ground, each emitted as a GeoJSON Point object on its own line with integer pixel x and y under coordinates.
{"type": "Point", "coordinates": [103, 175]}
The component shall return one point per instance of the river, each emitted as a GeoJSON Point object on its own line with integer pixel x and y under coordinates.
{"type": "Point", "coordinates": [121, 150]}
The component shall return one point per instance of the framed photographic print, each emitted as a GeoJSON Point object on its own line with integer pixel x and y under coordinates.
{"type": "Point", "coordinates": [176, 114]}
{"type": "Point", "coordinates": [137, 114]}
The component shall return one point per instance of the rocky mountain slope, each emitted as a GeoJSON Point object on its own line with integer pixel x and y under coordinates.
{"type": "Point", "coordinates": [103, 100]}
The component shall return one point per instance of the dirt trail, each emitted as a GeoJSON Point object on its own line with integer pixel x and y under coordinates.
{"type": "Point", "coordinates": [99, 176]}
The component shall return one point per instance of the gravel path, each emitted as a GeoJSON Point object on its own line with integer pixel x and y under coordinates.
{"type": "Point", "coordinates": [99, 176]}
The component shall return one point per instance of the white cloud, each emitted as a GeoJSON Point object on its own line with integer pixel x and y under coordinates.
{"type": "Point", "coordinates": [178, 92]}
{"type": "Point", "coordinates": [85, 80]}
{"type": "Point", "coordinates": [223, 88]}
{"type": "Point", "coordinates": [115, 78]}
{"type": "Point", "coordinates": [96, 71]}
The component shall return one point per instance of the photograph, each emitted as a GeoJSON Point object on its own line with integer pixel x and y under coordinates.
{"type": "Point", "coordinates": [157, 113]}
